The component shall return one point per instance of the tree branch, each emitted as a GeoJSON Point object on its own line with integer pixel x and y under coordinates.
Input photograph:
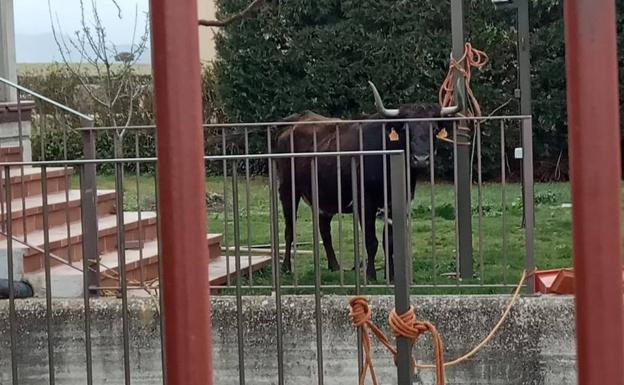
{"type": "Point", "coordinates": [255, 4]}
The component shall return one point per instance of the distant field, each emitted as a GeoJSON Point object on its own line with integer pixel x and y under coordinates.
{"type": "Point", "coordinates": [30, 68]}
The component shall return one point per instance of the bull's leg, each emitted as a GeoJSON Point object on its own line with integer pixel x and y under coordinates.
{"type": "Point", "coordinates": [390, 255]}
{"type": "Point", "coordinates": [371, 240]}
{"type": "Point", "coordinates": [290, 213]}
{"type": "Point", "coordinates": [325, 230]}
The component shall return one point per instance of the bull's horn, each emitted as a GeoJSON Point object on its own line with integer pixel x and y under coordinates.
{"type": "Point", "coordinates": [388, 113]}
{"type": "Point", "coordinates": [461, 100]}
{"type": "Point", "coordinates": [444, 111]}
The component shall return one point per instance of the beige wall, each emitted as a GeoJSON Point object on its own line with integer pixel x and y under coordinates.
{"type": "Point", "coordinates": [206, 42]}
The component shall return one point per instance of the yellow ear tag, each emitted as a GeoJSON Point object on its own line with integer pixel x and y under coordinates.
{"type": "Point", "coordinates": [393, 135]}
{"type": "Point", "coordinates": [442, 134]}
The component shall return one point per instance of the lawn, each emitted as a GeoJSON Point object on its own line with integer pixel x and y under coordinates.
{"type": "Point", "coordinates": [497, 259]}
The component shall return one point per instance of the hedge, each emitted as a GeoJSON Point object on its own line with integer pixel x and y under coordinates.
{"type": "Point", "coordinates": [318, 54]}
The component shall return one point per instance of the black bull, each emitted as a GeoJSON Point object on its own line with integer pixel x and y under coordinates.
{"type": "Point", "coordinates": [398, 134]}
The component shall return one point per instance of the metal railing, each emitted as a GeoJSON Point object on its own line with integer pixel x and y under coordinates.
{"type": "Point", "coordinates": [243, 141]}
{"type": "Point", "coordinates": [252, 182]}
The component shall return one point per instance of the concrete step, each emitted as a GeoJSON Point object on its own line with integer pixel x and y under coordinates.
{"type": "Point", "coordinates": [27, 182]}
{"type": "Point", "coordinates": [69, 247]}
{"type": "Point", "coordinates": [214, 245]}
{"type": "Point", "coordinates": [63, 207]}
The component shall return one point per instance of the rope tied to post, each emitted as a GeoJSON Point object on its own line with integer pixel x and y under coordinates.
{"type": "Point", "coordinates": [361, 318]}
{"type": "Point", "coordinates": [472, 58]}
{"type": "Point", "coordinates": [406, 325]}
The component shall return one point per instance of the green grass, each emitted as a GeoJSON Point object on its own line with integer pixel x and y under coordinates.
{"type": "Point", "coordinates": [495, 261]}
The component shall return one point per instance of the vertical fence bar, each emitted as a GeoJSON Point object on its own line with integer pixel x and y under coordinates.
{"type": "Point", "coordinates": [12, 321]}
{"type": "Point", "coordinates": [504, 200]}
{"type": "Point", "coordinates": [294, 209]}
{"type": "Point", "coordinates": [276, 269]}
{"type": "Point", "coordinates": [356, 252]}
{"type": "Point", "coordinates": [456, 179]}
{"type": "Point", "coordinates": [3, 189]}
{"type": "Point", "coordinates": [90, 262]}
{"type": "Point", "coordinates": [385, 205]}
{"type": "Point", "coordinates": [88, 206]}
{"type": "Point", "coordinates": [595, 164]}
{"type": "Point", "coordinates": [408, 179]}
{"type": "Point", "coordinates": [339, 185]}
{"type": "Point", "coordinates": [363, 205]}
{"type": "Point", "coordinates": [248, 207]}
{"type": "Point", "coordinates": [225, 209]}
{"type": "Point", "coordinates": [317, 268]}
{"type": "Point", "coordinates": [22, 181]}
{"type": "Point", "coordinates": [121, 263]}
{"type": "Point", "coordinates": [237, 256]}
{"type": "Point", "coordinates": [527, 169]}
{"type": "Point", "coordinates": [480, 203]}
{"type": "Point", "coordinates": [67, 188]}
{"type": "Point", "coordinates": [48, 278]}
{"type": "Point", "coordinates": [433, 213]}
{"type": "Point", "coordinates": [402, 264]}
{"type": "Point", "coordinates": [140, 236]}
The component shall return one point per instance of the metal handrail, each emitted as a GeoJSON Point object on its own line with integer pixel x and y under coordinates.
{"type": "Point", "coordinates": [47, 100]}
{"type": "Point", "coordinates": [275, 155]}
{"type": "Point", "coordinates": [325, 122]}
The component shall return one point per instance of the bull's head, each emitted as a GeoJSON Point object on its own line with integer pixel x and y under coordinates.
{"type": "Point", "coordinates": [419, 132]}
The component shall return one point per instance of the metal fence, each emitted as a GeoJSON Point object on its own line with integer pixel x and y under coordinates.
{"type": "Point", "coordinates": [238, 172]}
{"type": "Point", "coordinates": [48, 227]}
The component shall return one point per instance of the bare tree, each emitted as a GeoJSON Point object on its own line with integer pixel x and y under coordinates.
{"type": "Point", "coordinates": [106, 74]}
{"type": "Point", "coordinates": [255, 4]}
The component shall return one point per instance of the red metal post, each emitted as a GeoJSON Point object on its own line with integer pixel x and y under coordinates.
{"type": "Point", "coordinates": [181, 192]}
{"type": "Point", "coordinates": [594, 136]}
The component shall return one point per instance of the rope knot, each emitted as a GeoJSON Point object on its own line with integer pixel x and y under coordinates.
{"type": "Point", "coordinates": [360, 311]}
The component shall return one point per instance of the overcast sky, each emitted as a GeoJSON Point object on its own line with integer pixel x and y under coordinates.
{"type": "Point", "coordinates": [32, 17]}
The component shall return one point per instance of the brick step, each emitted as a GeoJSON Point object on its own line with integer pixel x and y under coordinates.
{"type": "Point", "coordinates": [57, 180]}
{"type": "Point", "coordinates": [70, 248]}
{"type": "Point", "coordinates": [149, 261]}
{"type": "Point", "coordinates": [142, 264]}
{"type": "Point", "coordinates": [10, 154]}
{"type": "Point", "coordinates": [61, 208]}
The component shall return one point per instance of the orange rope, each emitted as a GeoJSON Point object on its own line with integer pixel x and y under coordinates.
{"type": "Point", "coordinates": [406, 325]}
{"type": "Point", "coordinates": [472, 58]}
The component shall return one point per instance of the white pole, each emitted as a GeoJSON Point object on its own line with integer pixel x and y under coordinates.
{"type": "Point", "coordinates": [8, 66]}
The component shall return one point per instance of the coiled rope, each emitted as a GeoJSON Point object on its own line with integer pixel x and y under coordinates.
{"type": "Point", "coordinates": [472, 58]}
{"type": "Point", "coordinates": [406, 325]}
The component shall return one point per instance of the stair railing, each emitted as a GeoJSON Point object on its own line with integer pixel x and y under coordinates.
{"type": "Point", "coordinates": [88, 187]}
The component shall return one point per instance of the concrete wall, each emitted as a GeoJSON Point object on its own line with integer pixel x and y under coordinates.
{"type": "Point", "coordinates": [536, 346]}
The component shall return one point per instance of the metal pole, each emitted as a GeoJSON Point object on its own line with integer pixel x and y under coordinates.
{"type": "Point", "coordinates": [463, 183]}
{"type": "Point", "coordinates": [527, 196]}
{"type": "Point", "coordinates": [524, 57]}
{"type": "Point", "coordinates": [181, 190]}
{"type": "Point", "coordinates": [8, 66]}
{"type": "Point", "coordinates": [594, 137]}
{"type": "Point", "coordinates": [88, 214]}
{"type": "Point", "coordinates": [402, 263]}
